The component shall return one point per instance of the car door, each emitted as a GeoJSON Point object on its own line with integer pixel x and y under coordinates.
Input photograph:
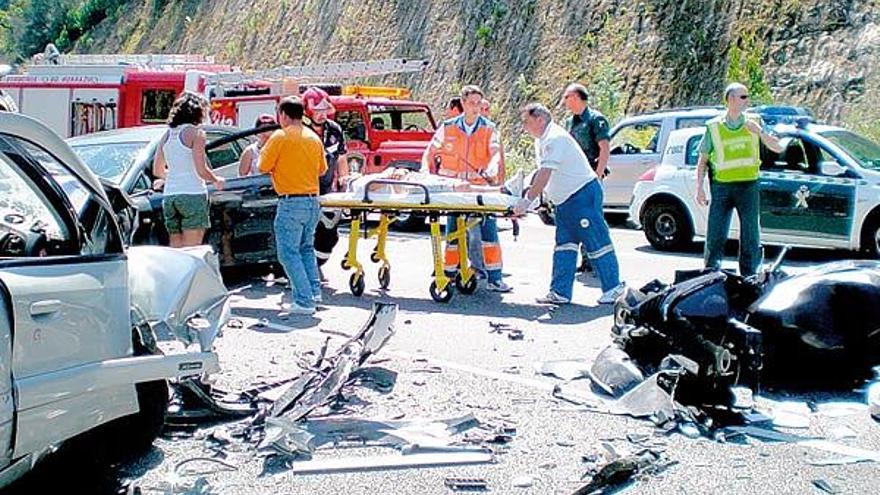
{"type": "Point", "coordinates": [634, 150]}
{"type": "Point", "coordinates": [799, 204]}
{"type": "Point", "coordinates": [224, 159]}
{"type": "Point", "coordinates": [67, 282]}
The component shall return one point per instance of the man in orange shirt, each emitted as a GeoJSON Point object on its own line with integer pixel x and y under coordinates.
{"type": "Point", "coordinates": [294, 158]}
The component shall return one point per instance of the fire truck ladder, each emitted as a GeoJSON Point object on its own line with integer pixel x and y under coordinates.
{"type": "Point", "coordinates": [335, 71]}
{"type": "Point", "coordinates": [145, 59]}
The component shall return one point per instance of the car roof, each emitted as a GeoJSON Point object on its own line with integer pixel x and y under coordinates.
{"type": "Point", "coordinates": [708, 111]}
{"type": "Point", "coordinates": [147, 133]}
{"type": "Point", "coordinates": [30, 129]}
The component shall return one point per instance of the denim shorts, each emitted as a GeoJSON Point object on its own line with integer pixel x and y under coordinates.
{"type": "Point", "coordinates": [185, 212]}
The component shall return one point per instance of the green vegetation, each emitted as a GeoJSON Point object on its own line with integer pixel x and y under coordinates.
{"type": "Point", "coordinates": [27, 26]}
{"type": "Point", "coordinates": [745, 62]}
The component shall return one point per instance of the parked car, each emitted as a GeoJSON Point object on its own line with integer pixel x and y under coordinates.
{"type": "Point", "coordinates": [78, 349]}
{"type": "Point", "coordinates": [637, 144]}
{"type": "Point", "coordinates": [823, 190]}
{"type": "Point", "coordinates": [241, 214]}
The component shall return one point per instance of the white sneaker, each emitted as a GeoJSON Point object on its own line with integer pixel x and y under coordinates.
{"type": "Point", "coordinates": [318, 299]}
{"type": "Point", "coordinates": [295, 309]}
{"type": "Point", "coordinates": [516, 184]}
{"type": "Point", "coordinates": [610, 296]}
{"type": "Point", "coordinates": [499, 286]}
{"type": "Point", "coordinates": [552, 298]}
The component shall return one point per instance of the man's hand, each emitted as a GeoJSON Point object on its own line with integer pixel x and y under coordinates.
{"type": "Point", "coordinates": [753, 127]}
{"type": "Point", "coordinates": [522, 206]}
{"type": "Point", "coordinates": [701, 197]}
{"type": "Point", "coordinates": [158, 184]}
{"type": "Point", "coordinates": [219, 183]}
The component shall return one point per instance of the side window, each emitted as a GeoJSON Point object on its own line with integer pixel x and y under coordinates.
{"type": "Point", "coordinates": [415, 121]}
{"type": "Point", "coordinates": [381, 121]}
{"type": "Point", "coordinates": [100, 235]}
{"type": "Point", "coordinates": [636, 139]}
{"type": "Point", "coordinates": [28, 221]}
{"type": "Point", "coordinates": [692, 152]}
{"type": "Point", "coordinates": [689, 122]}
{"type": "Point", "coordinates": [797, 157]}
{"type": "Point", "coordinates": [352, 123]}
{"type": "Point", "coordinates": [156, 104]}
{"type": "Point", "coordinates": [142, 183]}
{"type": "Point", "coordinates": [223, 155]}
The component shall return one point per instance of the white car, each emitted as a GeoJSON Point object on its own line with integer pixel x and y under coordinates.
{"type": "Point", "coordinates": [823, 190]}
{"type": "Point", "coordinates": [636, 145]}
{"type": "Point", "coordinates": [79, 312]}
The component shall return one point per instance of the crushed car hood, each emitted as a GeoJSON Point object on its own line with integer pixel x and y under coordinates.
{"type": "Point", "coordinates": [180, 292]}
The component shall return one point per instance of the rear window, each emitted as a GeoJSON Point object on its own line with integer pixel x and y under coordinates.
{"type": "Point", "coordinates": [692, 153]}
{"type": "Point", "coordinates": [400, 118]}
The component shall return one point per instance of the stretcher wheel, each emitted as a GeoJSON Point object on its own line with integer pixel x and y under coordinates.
{"type": "Point", "coordinates": [441, 297]}
{"type": "Point", "coordinates": [356, 284]}
{"type": "Point", "coordinates": [344, 264]}
{"type": "Point", "coordinates": [384, 276]}
{"type": "Point", "coordinates": [466, 288]}
{"type": "Point", "coordinates": [374, 257]}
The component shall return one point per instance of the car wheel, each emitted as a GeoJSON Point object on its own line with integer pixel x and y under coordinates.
{"type": "Point", "coordinates": [667, 227]}
{"type": "Point", "coordinates": [133, 435]}
{"type": "Point", "coordinates": [871, 238]}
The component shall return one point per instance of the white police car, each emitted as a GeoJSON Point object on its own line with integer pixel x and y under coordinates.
{"type": "Point", "coordinates": [823, 190]}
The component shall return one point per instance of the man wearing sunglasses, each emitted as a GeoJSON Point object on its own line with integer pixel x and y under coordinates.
{"type": "Point", "coordinates": [731, 148]}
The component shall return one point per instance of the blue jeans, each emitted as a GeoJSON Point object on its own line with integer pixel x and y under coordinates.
{"type": "Point", "coordinates": [746, 199]}
{"type": "Point", "coordinates": [491, 248]}
{"type": "Point", "coordinates": [295, 222]}
{"type": "Point", "coordinates": [579, 220]}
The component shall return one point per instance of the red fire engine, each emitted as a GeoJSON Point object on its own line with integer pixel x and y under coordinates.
{"type": "Point", "coordinates": [89, 93]}
{"type": "Point", "coordinates": [382, 125]}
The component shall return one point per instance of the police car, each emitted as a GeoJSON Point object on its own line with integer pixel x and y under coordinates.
{"type": "Point", "coordinates": [823, 190]}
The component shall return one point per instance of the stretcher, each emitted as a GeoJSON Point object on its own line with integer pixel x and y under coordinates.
{"type": "Point", "coordinates": [399, 197]}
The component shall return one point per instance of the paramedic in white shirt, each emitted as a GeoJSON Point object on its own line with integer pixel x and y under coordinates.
{"type": "Point", "coordinates": [570, 183]}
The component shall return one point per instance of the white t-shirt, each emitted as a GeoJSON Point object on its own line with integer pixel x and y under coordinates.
{"type": "Point", "coordinates": [558, 151]}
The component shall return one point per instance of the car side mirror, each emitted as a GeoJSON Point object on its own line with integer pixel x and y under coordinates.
{"type": "Point", "coordinates": [832, 169]}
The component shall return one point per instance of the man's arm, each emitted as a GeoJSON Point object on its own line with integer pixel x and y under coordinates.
{"type": "Point", "coordinates": [497, 157]}
{"type": "Point", "coordinates": [604, 153]}
{"type": "Point", "coordinates": [769, 140]}
{"type": "Point", "coordinates": [600, 130]}
{"type": "Point", "coordinates": [247, 161]}
{"type": "Point", "coordinates": [702, 166]}
{"type": "Point", "coordinates": [431, 151]}
{"type": "Point", "coordinates": [269, 154]}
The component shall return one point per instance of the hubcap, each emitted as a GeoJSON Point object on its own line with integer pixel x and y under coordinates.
{"type": "Point", "coordinates": [665, 225]}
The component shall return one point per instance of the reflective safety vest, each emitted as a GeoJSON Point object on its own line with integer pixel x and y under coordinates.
{"type": "Point", "coordinates": [735, 155]}
{"type": "Point", "coordinates": [463, 156]}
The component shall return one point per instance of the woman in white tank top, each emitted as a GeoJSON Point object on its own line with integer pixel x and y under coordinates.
{"type": "Point", "coordinates": [250, 157]}
{"type": "Point", "coordinates": [180, 164]}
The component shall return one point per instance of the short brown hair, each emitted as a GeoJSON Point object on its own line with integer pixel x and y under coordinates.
{"type": "Point", "coordinates": [188, 108]}
{"type": "Point", "coordinates": [471, 89]}
{"type": "Point", "coordinates": [292, 106]}
{"type": "Point", "coordinates": [579, 89]}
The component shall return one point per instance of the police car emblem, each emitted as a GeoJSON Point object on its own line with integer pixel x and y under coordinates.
{"type": "Point", "coordinates": [801, 196]}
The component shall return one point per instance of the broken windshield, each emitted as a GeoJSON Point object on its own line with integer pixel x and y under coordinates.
{"type": "Point", "coordinates": [110, 160]}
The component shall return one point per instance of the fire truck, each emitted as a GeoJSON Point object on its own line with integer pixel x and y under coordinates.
{"type": "Point", "coordinates": [382, 125]}
{"type": "Point", "coordinates": [88, 93]}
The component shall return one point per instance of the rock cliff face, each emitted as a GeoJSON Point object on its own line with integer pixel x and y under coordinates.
{"type": "Point", "coordinates": [634, 54]}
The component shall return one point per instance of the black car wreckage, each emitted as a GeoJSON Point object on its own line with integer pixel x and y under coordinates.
{"type": "Point", "coordinates": [819, 328]}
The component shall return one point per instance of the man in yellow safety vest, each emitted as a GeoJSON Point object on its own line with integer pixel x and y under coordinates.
{"type": "Point", "coordinates": [731, 148]}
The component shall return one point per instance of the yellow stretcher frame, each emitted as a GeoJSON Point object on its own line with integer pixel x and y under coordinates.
{"type": "Point", "coordinates": [441, 288]}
